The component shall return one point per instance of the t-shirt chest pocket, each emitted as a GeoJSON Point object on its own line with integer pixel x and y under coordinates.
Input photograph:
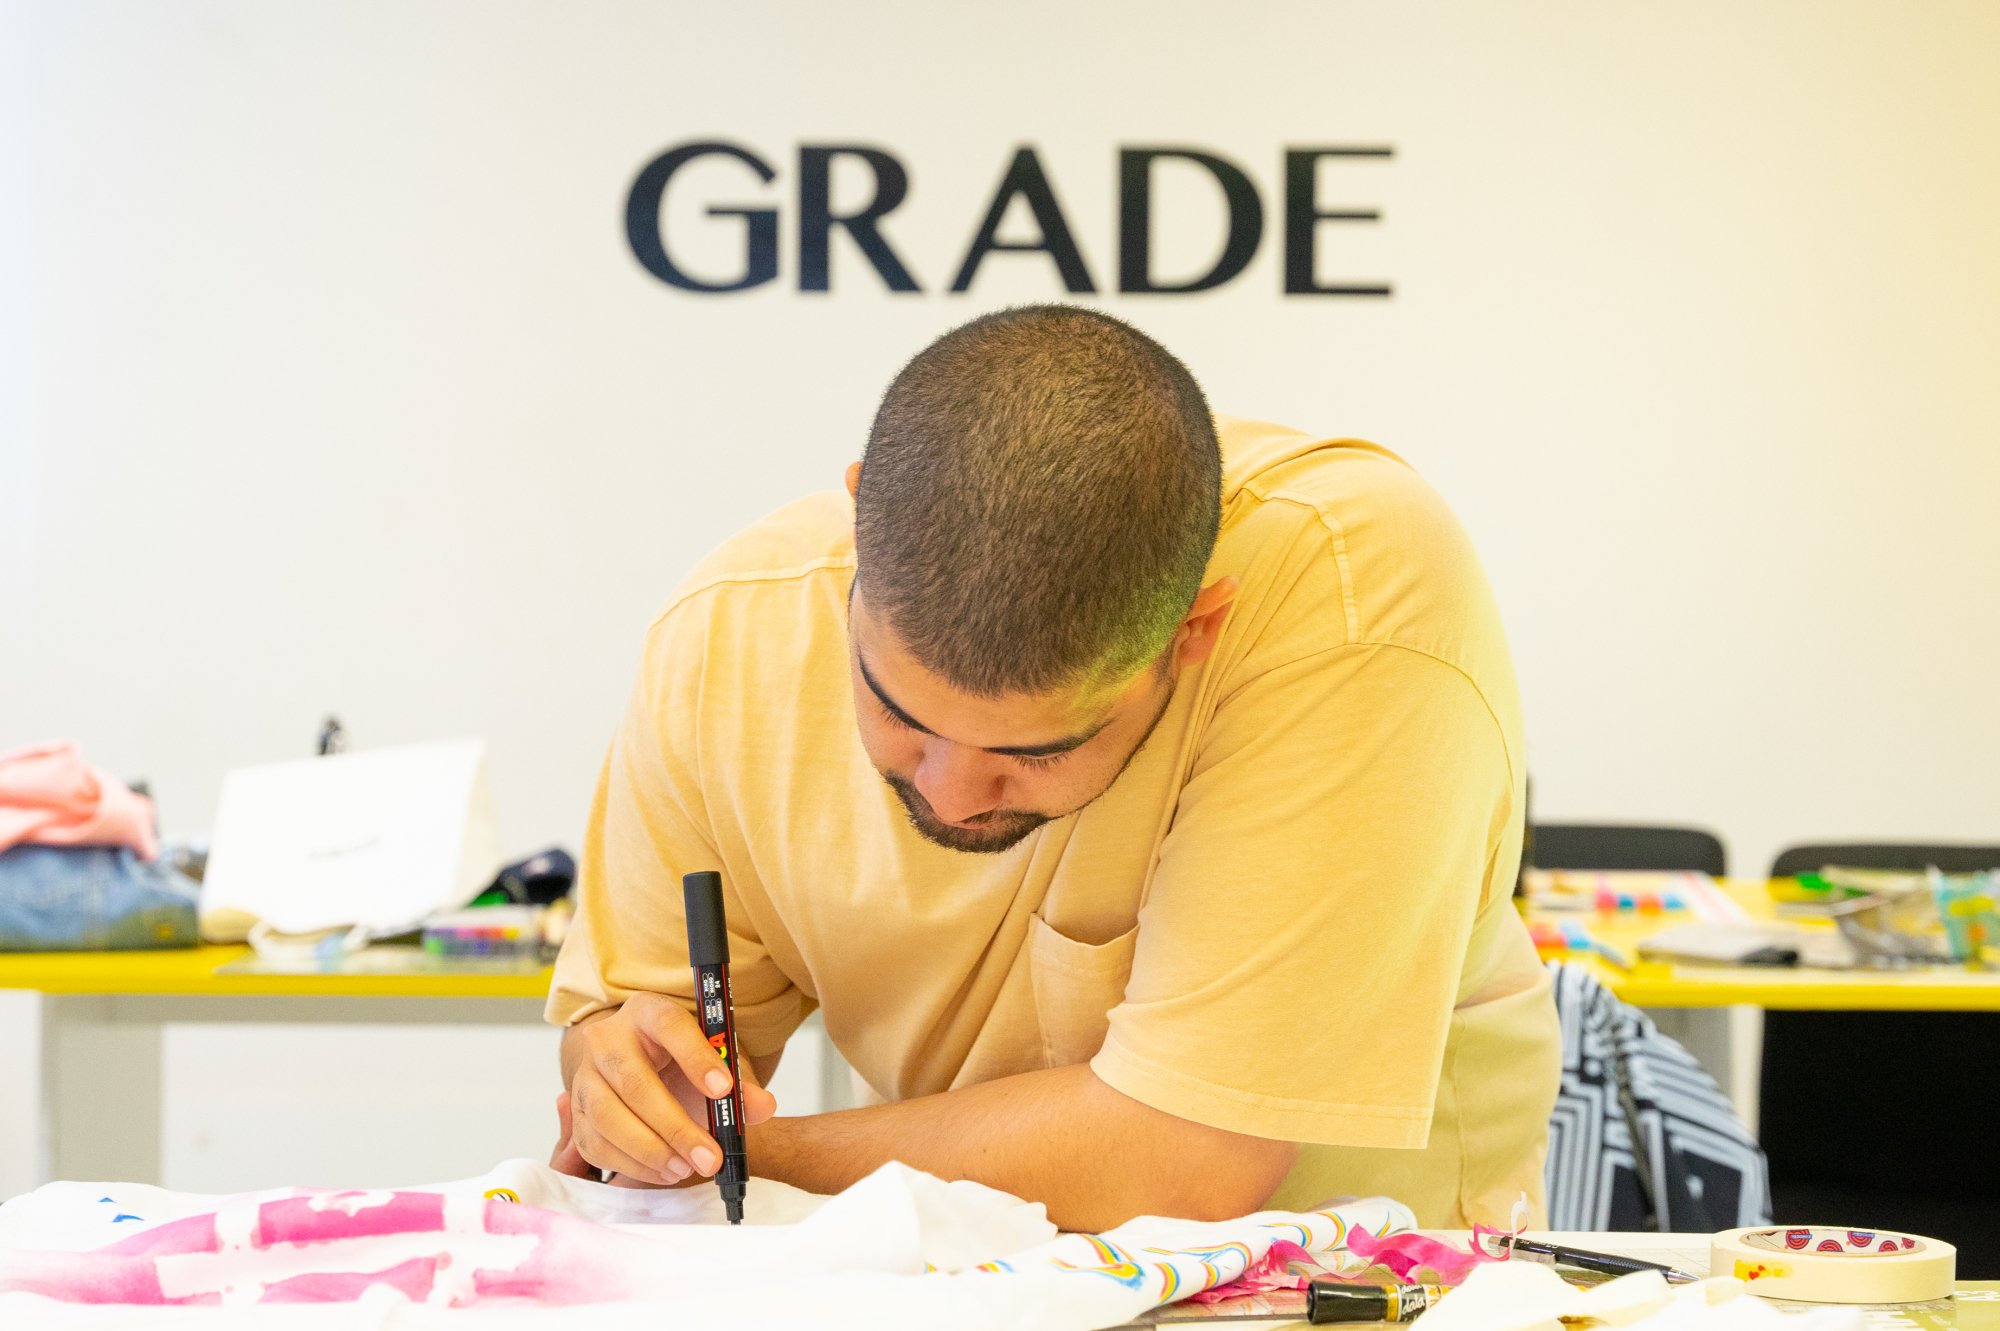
{"type": "Point", "coordinates": [1075, 985]}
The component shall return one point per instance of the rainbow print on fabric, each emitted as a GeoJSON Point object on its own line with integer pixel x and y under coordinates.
{"type": "Point", "coordinates": [1112, 1262]}
{"type": "Point", "coordinates": [1219, 1265]}
{"type": "Point", "coordinates": [1201, 1258]}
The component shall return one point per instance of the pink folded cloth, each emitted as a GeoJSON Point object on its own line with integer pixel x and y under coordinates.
{"type": "Point", "coordinates": [50, 796]}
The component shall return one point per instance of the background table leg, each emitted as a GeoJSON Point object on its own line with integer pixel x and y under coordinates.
{"type": "Point", "coordinates": [100, 1089]}
{"type": "Point", "coordinates": [21, 1146]}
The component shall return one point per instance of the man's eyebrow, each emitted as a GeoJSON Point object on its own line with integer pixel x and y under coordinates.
{"type": "Point", "coordinates": [885, 699]}
{"type": "Point", "coordinates": [1053, 747]}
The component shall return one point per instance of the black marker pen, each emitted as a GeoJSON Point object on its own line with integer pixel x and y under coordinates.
{"type": "Point", "coordinates": [708, 953]}
{"type": "Point", "coordinates": [1603, 1263]}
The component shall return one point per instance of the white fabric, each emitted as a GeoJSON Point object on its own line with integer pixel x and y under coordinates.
{"type": "Point", "coordinates": [899, 1249]}
{"type": "Point", "coordinates": [1527, 1296]}
{"type": "Point", "coordinates": [75, 1216]}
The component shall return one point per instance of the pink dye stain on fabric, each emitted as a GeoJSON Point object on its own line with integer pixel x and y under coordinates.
{"type": "Point", "coordinates": [414, 1279]}
{"type": "Point", "coordinates": [334, 1247]}
{"type": "Point", "coordinates": [315, 1219]}
{"type": "Point", "coordinates": [1408, 1255]}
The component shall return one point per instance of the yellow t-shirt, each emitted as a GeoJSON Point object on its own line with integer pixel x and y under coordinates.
{"type": "Point", "coordinates": [1289, 917]}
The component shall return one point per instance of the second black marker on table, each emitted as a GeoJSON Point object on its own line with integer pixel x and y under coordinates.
{"type": "Point", "coordinates": [708, 953]}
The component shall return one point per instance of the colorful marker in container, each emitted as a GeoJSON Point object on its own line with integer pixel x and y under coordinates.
{"type": "Point", "coordinates": [485, 931]}
{"type": "Point", "coordinates": [708, 953]}
{"type": "Point", "coordinates": [1569, 936]}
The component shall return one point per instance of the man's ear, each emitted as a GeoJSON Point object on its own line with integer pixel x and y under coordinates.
{"type": "Point", "coordinates": [1195, 638]}
{"type": "Point", "coordinates": [853, 480]}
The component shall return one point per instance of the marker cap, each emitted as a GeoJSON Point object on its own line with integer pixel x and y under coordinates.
{"type": "Point", "coordinates": [708, 935]}
{"type": "Point", "coordinates": [1330, 1301]}
{"type": "Point", "coordinates": [1327, 1302]}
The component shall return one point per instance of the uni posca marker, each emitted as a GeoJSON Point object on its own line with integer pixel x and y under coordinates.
{"type": "Point", "coordinates": [708, 953]}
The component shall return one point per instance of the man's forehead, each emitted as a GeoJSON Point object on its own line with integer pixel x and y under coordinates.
{"type": "Point", "coordinates": [1022, 724]}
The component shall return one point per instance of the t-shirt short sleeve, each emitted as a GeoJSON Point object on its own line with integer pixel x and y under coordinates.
{"type": "Point", "coordinates": [647, 827]}
{"type": "Point", "coordinates": [1300, 952]}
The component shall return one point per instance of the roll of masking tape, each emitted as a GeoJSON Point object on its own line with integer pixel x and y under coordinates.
{"type": "Point", "coordinates": [1819, 1264]}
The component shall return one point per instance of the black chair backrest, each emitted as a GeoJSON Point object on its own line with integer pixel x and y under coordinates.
{"type": "Point", "coordinates": [1951, 859]}
{"type": "Point", "coordinates": [1603, 846]}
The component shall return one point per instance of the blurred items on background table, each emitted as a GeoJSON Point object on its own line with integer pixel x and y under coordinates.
{"type": "Point", "coordinates": [313, 861]}
{"type": "Point", "coordinates": [1835, 919]}
{"type": "Point", "coordinates": [1642, 892]}
{"type": "Point", "coordinates": [499, 931]}
{"type": "Point", "coordinates": [80, 863]}
{"type": "Point", "coordinates": [1554, 939]}
{"type": "Point", "coordinates": [92, 899]}
{"type": "Point", "coordinates": [524, 912]}
{"type": "Point", "coordinates": [536, 881]}
{"type": "Point", "coordinates": [517, 924]}
{"type": "Point", "coordinates": [1617, 899]}
{"type": "Point", "coordinates": [360, 845]}
{"type": "Point", "coordinates": [1891, 917]}
{"type": "Point", "coordinates": [49, 796]}
{"type": "Point", "coordinates": [1762, 943]}
{"type": "Point", "coordinates": [478, 940]}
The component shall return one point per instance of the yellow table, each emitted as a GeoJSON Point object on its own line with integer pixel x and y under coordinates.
{"type": "Point", "coordinates": [192, 971]}
{"type": "Point", "coordinates": [1656, 984]}
{"type": "Point", "coordinates": [90, 1079]}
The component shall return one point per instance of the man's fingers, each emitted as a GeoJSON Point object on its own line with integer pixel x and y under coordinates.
{"type": "Point", "coordinates": [611, 1136]}
{"type": "Point", "coordinates": [615, 1162]}
{"type": "Point", "coordinates": [629, 1074]}
{"type": "Point", "coordinates": [566, 1159]}
{"type": "Point", "coordinates": [652, 1119]}
{"type": "Point", "coordinates": [605, 1136]}
{"type": "Point", "coordinates": [677, 1034]}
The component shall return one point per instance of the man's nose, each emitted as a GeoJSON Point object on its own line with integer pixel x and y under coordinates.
{"type": "Point", "coordinates": [958, 782]}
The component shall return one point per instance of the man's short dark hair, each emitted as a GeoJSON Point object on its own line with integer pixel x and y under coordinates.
{"type": "Point", "coordinates": [1038, 501]}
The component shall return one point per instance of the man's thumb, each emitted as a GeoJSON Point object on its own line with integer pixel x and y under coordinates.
{"type": "Point", "coordinates": [758, 1103]}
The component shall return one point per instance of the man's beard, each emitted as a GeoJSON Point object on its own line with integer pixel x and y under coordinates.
{"type": "Point", "coordinates": [1004, 830]}
{"type": "Point", "coordinates": [1007, 828]}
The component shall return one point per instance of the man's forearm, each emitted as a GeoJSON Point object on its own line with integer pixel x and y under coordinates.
{"type": "Point", "coordinates": [1094, 1156]}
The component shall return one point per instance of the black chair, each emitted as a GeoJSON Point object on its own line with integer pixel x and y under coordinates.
{"type": "Point", "coordinates": [1951, 859]}
{"type": "Point", "coordinates": [1885, 1119]}
{"type": "Point", "coordinates": [1604, 846]}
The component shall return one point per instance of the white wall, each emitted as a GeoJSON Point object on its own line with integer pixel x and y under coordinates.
{"type": "Point", "coordinates": [327, 382]}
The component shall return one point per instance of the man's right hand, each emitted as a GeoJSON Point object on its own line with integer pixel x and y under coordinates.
{"type": "Point", "coordinates": [638, 1081]}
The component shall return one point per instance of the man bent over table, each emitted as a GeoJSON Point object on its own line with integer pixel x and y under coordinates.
{"type": "Point", "coordinates": [1137, 792]}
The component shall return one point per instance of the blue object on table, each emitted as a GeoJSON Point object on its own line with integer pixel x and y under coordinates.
{"type": "Point", "coordinates": [90, 899]}
{"type": "Point", "coordinates": [1969, 906]}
